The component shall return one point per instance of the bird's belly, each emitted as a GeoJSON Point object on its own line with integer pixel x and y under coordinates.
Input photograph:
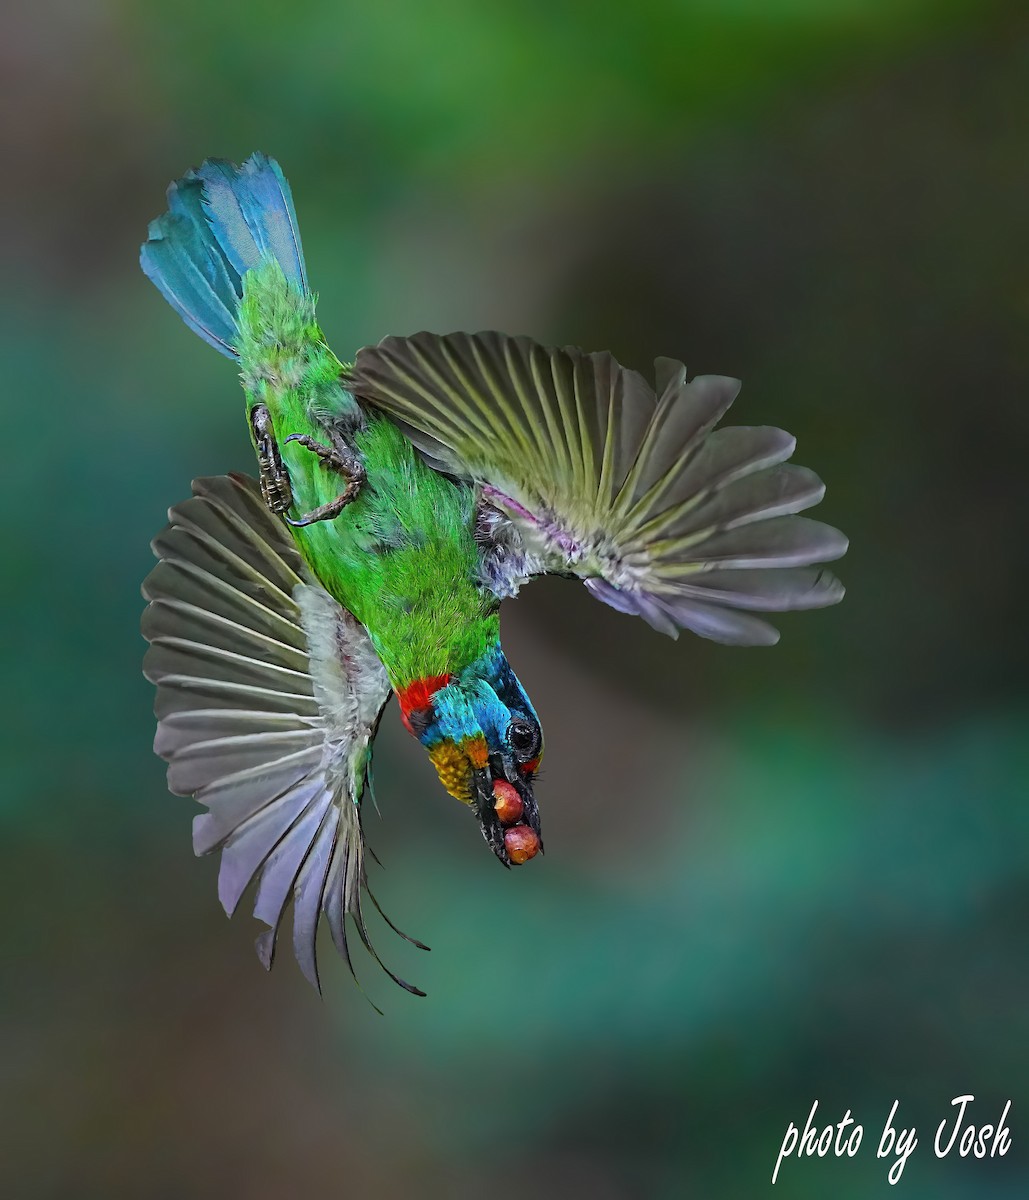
{"type": "Point", "coordinates": [402, 557]}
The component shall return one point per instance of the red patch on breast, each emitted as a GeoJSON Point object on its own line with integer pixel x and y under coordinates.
{"type": "Point", "coordinates": [418, 695]}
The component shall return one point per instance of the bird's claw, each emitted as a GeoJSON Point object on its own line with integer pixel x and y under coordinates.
{"type": "Point", "coordinates": [275, 482]}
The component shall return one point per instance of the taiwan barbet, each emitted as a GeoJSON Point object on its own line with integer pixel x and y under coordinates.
{"type": "Point", "coordinates": [399, 501]}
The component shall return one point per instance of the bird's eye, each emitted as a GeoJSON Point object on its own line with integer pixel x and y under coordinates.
{"type": "Point", "coordinates": [524, 738]}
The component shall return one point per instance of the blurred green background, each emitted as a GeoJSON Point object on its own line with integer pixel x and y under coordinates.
{"type": "Point", "coordinates": [772, 875]}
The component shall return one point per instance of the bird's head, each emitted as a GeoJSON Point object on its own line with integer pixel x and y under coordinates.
{"type": "Point", "coordinates": [485, 741]}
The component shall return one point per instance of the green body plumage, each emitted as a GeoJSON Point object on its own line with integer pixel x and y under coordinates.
{"type": "Point", "coordinates": [401, 556]}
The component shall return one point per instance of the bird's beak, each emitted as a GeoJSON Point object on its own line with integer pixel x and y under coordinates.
{"type": "Point", "coordinates": [518, 838]}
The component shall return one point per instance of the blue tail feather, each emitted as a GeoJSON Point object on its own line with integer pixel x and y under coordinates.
{"type": "Point", "coordinates": [222, 221]}
{"type": "Point", "coordinates": [251, 211]}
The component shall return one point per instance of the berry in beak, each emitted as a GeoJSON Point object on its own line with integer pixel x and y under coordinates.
{"type": "Point", "coordinates": [507, 802]}
{"type": "Point", "coordinates": [507, 811]}
{"type": "Point", "coordinates": [521, 844]}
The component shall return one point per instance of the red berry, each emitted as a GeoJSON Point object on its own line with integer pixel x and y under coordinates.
{"type": "Point", "coordinates": [522, 844]}
{"type": "Point", "coordinates": [507, 802]}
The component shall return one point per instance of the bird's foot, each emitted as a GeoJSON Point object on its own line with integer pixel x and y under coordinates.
{"type": "Point", "coordinates": [274, 478]}
{"type": "Point", "coordinates": [339, 458]}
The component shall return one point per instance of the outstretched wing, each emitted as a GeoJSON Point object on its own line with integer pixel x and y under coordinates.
{"type": "Point", "coordinates": [584, 468]}
{"type": "Point", "coordinates": [268, 698]}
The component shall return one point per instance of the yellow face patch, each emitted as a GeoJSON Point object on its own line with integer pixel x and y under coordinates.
{"type": "Point", "coordinates": [454, 763]}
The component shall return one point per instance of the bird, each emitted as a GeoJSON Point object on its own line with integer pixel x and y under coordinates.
{"type": "Point", "coordinates": [400, 498]}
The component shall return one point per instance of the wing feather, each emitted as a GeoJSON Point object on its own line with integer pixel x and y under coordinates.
{"type": "Point", "coordinates": [585, 469]}
{"type": "Point", "coordinates": [308, 897]}
{"type": "Point", "coordinates": [232, 801]}
{"type": "Point", "coordinates": [268, 698]}
{"type": "Point", "coordinates": [248, 847]}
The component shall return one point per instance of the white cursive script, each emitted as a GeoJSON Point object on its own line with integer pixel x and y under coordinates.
{"type": "Point", "coordinates": [843, 1138]}
{"type": "Point", "coordinates": [972, 1140]}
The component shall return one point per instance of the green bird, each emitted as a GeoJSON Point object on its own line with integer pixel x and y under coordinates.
{"type": "Point", "coordinates": [400, 500]}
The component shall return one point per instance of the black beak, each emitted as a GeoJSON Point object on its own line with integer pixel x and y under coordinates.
{"type": "Point", "coordinates": [503, 767]}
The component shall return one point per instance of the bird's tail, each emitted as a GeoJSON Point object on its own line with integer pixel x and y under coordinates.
{"type": "Point", "coordinates": [222, 221]}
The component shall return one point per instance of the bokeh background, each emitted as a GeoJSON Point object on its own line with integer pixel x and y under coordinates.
{"type": "Point", "coordinates": [772, 875]}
